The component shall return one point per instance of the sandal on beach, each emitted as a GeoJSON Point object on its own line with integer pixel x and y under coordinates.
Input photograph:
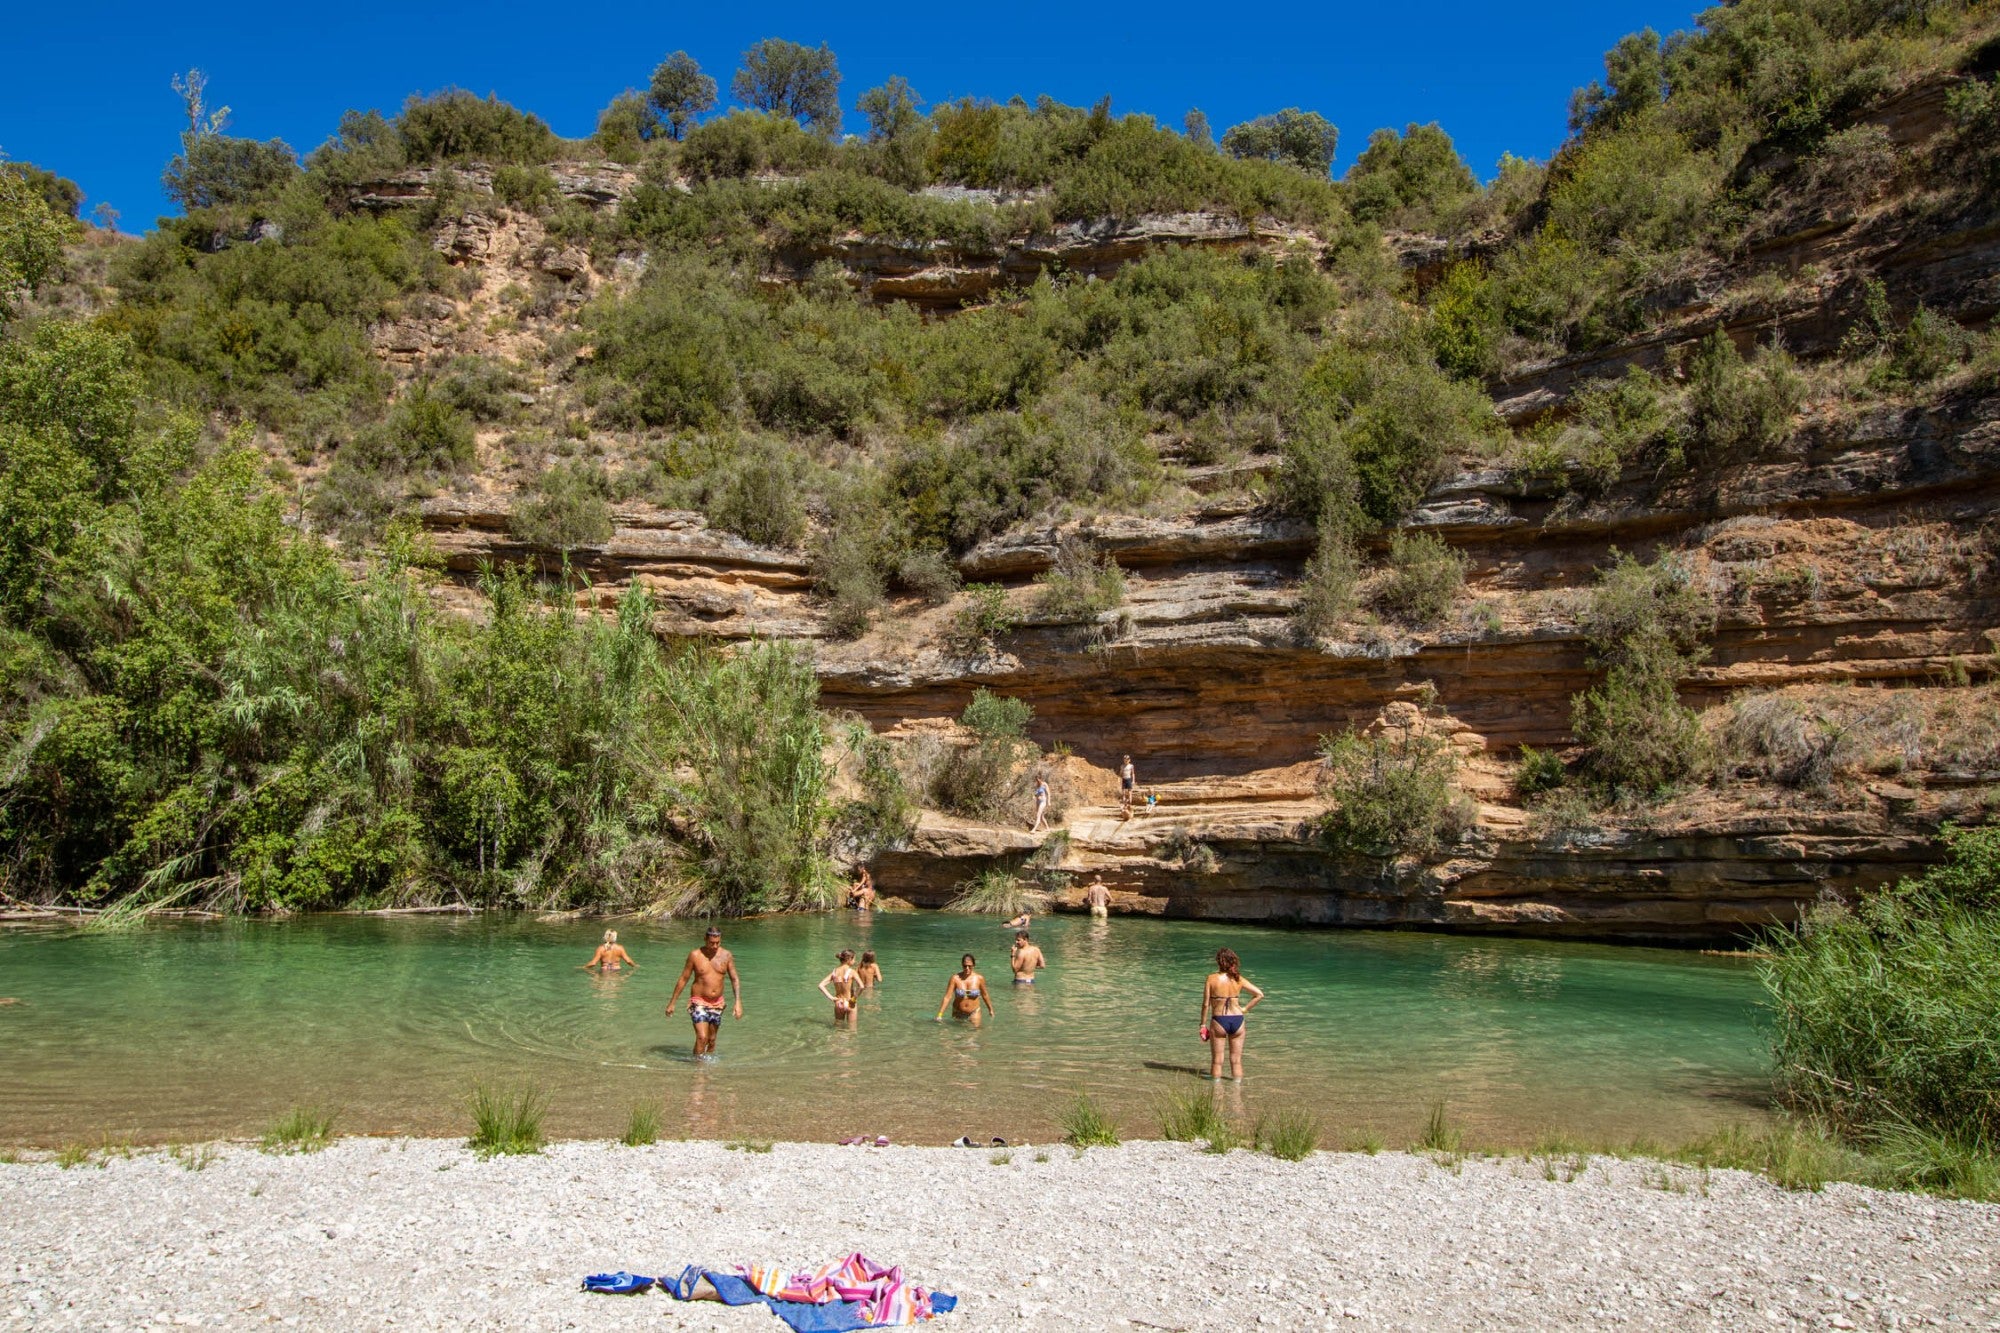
{"type": "Point", "coordinates": [963, 1142]}
{"type": "Point", "coordinates": [853, 1139]}
{"type": "Point", "coordinates": [881, 1140]}
{"type": "Point", "coordinates": [999, 1142]}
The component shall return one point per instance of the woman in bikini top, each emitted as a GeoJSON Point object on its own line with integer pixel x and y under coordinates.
{"type": "Point", "coordinates": [1223, 1010]}
{"type": "Point", "coordinates": [610, 955]}
{"type": "Point", "coordinates": [844, 982]}
{"type": "Point", "coordinates": [965, 992]}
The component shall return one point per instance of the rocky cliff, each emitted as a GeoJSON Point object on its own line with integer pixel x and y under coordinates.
{"type": "Point", "coordinates": [1854, 571]}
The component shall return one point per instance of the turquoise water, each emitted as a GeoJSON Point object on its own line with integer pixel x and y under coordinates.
{"type": "Point", "coordinates": [211, 1029]}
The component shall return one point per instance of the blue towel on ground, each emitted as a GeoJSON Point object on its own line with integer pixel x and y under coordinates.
{"type": "Point", "coordinates": [617, 1284]}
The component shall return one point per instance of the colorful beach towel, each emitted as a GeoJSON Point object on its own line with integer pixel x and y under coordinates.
{"type": "Point", "coordinates": [849, 1293]}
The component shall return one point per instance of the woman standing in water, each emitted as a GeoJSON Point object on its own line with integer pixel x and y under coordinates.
{"type": "Point", "coordinates": [965, 992]}
{"type": "Point", "coordinates": [1222, 1012]}
{"type": "Point", "coordinates": [846, 987]}
{"type": "Point", "coordinates": [610, 955]}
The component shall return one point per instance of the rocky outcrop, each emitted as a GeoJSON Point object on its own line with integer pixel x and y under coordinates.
{"type": "Point", "coordinates": [948, 275]}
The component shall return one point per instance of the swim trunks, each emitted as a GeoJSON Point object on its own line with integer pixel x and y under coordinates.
{"type": "Point", "coordinates": [1231, 1024]}
{"type": "Point", "coordinates": [705, 1013]}
{"type": "Point", "coordinates": [1099, 911]}
{"type": "Point", "coordinates": [1024, 981]}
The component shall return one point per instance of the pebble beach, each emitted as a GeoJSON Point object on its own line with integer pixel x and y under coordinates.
{"type": "Point", "coordinates": [412, 1233]}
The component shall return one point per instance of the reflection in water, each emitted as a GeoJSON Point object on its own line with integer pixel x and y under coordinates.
{"type": "Point", "coordinates": [214, 1028]}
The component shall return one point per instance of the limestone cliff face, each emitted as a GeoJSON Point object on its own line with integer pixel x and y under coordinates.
{"type": "Point", "coordinates": [1864, 554]}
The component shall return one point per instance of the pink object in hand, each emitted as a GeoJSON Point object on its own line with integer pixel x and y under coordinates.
{"type": "Point", "coordinates": [1204, 1032]}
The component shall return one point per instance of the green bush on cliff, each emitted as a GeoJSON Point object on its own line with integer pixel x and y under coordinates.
{"type": "Point", "coordinates": [1646, 627]}
{"type": "Point", "coordinates": [1425, 578]}
{"type": "Point", "coordinates": [1884, 1014]}
{"type": "Point", "coordinates": [1081, 585]}
{"type": "Point", "coordinates": [1393, 795]}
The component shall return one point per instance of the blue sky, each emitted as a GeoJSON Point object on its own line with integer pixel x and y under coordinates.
{"type": "Point", "coordinates": [88, 93]}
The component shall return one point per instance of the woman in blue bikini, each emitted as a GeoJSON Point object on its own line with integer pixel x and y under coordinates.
{"type": "Point", "coordinates": [1222, 1011]}
{"type": "Point", "coordinates": [965, 993]}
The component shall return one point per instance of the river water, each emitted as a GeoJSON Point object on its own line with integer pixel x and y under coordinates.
{"type": "Point", "coordinates": [199, 1030]}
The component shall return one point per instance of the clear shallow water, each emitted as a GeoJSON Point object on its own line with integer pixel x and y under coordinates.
{"type": "Point", "coordinates": [212, 1029]}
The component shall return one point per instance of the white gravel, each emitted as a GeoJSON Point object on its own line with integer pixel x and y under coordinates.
{"type": "Point", "coordinates": [419, 1233]}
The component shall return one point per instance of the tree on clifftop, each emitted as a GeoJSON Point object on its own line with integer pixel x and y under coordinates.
{"type": "Point", "coordinates": [1306, 139]}
{"type": "Point", "coordinates": [792, 80]}
{"type": "Point", "coordinates": [680, 92]}
{"type": "Point", "coordinates": [216, 168]}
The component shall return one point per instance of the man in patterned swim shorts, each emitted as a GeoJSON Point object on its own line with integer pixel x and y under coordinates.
{"type": "Point", "coordinates": [710, 966]}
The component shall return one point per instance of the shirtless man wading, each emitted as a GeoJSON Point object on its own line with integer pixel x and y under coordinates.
{"type": "Point", "coordinates": [710, 966]}
{"type": "Point", "coordinates": [1099, 898]}
{"type": "Point", "coordinates": [1027, 959]}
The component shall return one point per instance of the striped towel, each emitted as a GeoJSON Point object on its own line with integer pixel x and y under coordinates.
{"type": "Point", "coordinates": [883, 1294]}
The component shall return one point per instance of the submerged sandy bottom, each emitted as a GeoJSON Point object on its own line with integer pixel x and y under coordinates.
{"type": "Point", "coordinates": [419, 1233]}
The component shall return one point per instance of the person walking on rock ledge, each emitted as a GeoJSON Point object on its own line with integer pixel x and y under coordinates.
{"type": "Point", "coordinates": [1041, 802]}
{"type": "Point", "coordinates": [1128, 782]}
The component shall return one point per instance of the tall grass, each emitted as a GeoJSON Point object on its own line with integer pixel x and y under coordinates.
{"type": "Point", "coordinates": [1439, 1133]}
{"type": "Point", "coordinates": [1189, 1117]}
{"type": "Point", "coordinates": [507, 1121]}
{"type": "Point", "coordinates": [643, 1127]}
{"type": "Point", "coordinates": [1291, 1136]}
{"type": "Point", "coordinates": [1884, 1016]}
{"type": "Point", "coordinates": [1085, 1125]}
{"type": "Point", "coordinates": [994, 891]}
{"type": "Point", "coordinates": [301, 1129]}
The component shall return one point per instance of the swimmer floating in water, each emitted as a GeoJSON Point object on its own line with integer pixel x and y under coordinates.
{"type": "Point", "coordinates": [1020, 922]}
{"type": "Point", "coordinates": [610, 955]}
{"type": "Point", "coordinates": [1222, 1013]}
{"type": "Point", "coordinates": [965, 992]}
{"type": "Point", "coordinates": [845, 985]}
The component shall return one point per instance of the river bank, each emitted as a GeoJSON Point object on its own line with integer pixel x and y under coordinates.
{"type": "Point", "coordinates": [375, 1233]}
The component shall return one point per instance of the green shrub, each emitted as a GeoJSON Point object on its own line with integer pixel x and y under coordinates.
{"type": "Point", "coordinates": [1327, 593]}
{"type": "Point", "coordinates": [1642, 739]}
{"type": "Point", "coordinates": [1425, 578]}
{"type": "Point", "coordinates": [456, 126]}
{"type": "Point", "coordinates": [1392, 796]}
{"type": "Point", "coordinates": [758, 498]}
{"type": "Point", "coordinates": [1190, 1117]}
{"type": "Point", "coordinates": [930, 574]}
{"type": "Point", "coordinates": [1640, 608]}
{"type": "Point", "coordinates": [883, 815]}
{"type": "Point", "coordinates": [1417, 174]}
{"type": "Point", "coordinates": [1883, 1012]}
{"type": "Point", "coordinates": [1085, 1125]}
{"type": "Point", "coordinates": [1083, 584]}
{"type": "Point", "coordinates": [1737, 408]}
{"type": "Point", "coordinates": [566, 508]}
{"type": "Point", "coordinates": [1304, 139]}
{"type": "Point", "coordinates": [991, 716]}
{"type": "Point", "coordinates": [32, 240]}
{"type": "Point", "coordinates": [1539, 771]}
{"type": "Point", "coordinates": [748, 143]}
{"type": "Point", "coordinates": [984, 618]}
{"type": "Point", "coordinates": [528, 188]}
{"type": "Point", "coordinates": [507, 1121]}
{"type": "Point", "coordinates": [986, 780]}
{"type": "Point", "coordinates": [844, 572]}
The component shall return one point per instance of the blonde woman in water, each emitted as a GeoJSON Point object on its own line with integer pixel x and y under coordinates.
{"type": "Point", "coordinates": [610, 955]}
{"type": "Point", "coordinates": [1222, 1013]}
